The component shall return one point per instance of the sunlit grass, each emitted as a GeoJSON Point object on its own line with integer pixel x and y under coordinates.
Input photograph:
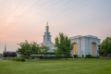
{"type": "Point", "coordinates": [77, 66]}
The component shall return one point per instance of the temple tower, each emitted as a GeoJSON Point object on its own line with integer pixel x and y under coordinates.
{"type": "Point", "coordinates": [47, 39]}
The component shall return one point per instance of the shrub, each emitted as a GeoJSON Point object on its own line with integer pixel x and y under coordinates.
{"type": "Point", "coordinates": [19, 59]}
{"type": "Point", "coordinates": [89, 56]}
{"type": "Point", "coordinates": [75, 56]}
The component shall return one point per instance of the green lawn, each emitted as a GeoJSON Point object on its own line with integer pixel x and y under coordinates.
{"type": "Point", "coordinates": [77, 66]}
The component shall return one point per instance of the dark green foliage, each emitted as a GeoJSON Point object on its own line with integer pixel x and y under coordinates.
{"type": "Point", "coordinates": [27, 49]}
{"type": "Point", "coordinates": [63, 45]}
{"type": "Point", "coordinates": [43, 50]}
{"type": "Point", "coordinates": [89, 56]}
{"type": "Point", "coordinates": [105, 47]}
{"type": "Point", "coordinates": [75, 56]}
{"type": "Point", "coordinates": [19, 59]}
{"type": "Point", "coordinates": [35, 49]}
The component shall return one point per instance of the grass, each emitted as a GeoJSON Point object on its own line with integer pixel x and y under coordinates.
{"type": "Point", "coordinates": [77, 66]}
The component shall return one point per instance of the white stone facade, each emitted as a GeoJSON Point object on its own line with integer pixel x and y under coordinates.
{"type": "Point", "coordinates": [47, 40]}
{"type": "Point", "coordinates": [85, 45]}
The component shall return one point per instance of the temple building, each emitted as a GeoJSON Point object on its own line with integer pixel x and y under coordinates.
{"type": "Point", "coordinates": [47, 40]}
{"type": "Point", "coordinates": [85, 45]}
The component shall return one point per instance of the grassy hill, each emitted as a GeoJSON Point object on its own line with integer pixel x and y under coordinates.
{"type": "Point", "coordinates": [77, 66]}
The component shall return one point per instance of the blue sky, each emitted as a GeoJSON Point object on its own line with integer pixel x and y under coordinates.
{"type": "Point", "coordinates": [25, 19]}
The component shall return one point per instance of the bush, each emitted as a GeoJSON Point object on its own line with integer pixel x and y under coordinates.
{"type": "Point", "coordinates": [83, 56]}
{"type": "Point", "coordinates": [19, 59]}
{"type": "Point", "coordinates": [75, 56]}
{"type": "Point", "coordinates": [90, 56]}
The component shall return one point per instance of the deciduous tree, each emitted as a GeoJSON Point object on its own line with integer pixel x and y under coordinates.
{"type": "Point", "coordinates": [63, 45]}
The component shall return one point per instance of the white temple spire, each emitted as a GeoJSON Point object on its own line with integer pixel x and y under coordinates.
{"type": "Point", "coordinates": [47, 27]}
{"type": "Point", "coordinates": [47, 39]}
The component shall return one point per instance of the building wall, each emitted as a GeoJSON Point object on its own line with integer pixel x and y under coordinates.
{"type": "Point", "coordinates": [85, 45]}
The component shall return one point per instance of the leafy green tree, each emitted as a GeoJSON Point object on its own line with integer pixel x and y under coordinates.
{"type": "Point", "coordinates": [105, 47]}
{"type": "Point", "coordinates": [27, 49]}
{"type": "Point", "coordinates": [43, 50]}
{"type": "Point", "coordinates": [63, 45]}
{"type": "Point", "coordinates": [35, 48]}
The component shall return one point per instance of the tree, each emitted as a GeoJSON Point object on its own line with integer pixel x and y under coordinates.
{"type": "Point", "coordinates": [35, 48]}
{"type": "Point", "coordinates": [105, 47]}
{"type": "Point", "coordinates": [63, 45]}
{"type": "Point", "coordinates": [27, 49]}
{"type": "Point", "coordinates": [43, 50]}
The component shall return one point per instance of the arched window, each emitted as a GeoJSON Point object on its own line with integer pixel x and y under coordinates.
{"type": "Point", "coordinates": [75, 49]}
{"type": "Point", "coordinates": [94, 48]}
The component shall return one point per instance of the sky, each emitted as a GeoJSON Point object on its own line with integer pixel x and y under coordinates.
{"type": "Point", "coordinates": [22, 20]}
